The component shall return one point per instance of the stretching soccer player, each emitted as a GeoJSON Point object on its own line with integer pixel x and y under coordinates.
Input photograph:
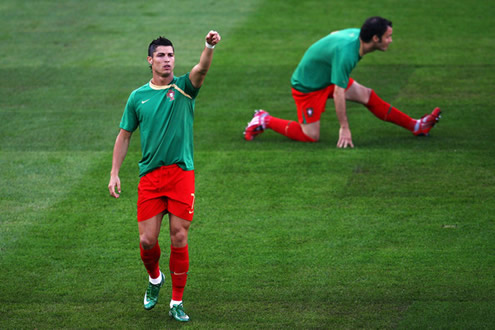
{"type": "Point", "coordinates": [163, 109]}
{"type": "Point", "coordinates": [324, 72]}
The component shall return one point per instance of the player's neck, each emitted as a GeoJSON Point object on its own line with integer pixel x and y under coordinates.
{"type": "Point", "coordinates": [161, 81]}
{"type": "Point", "coordinates": [365, 48]}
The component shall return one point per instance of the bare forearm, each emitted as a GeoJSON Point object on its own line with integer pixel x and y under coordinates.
{"type": "Point", "coordinates": [198, 73]}
{"type": "Point", "coordinates": [119, 152]}
{"type": "Point", "coordinates": [204, 62]}
{"type": "Point", "coordinates": [340, 106]}
{"type": "Point", "coordinates": [345, 138]}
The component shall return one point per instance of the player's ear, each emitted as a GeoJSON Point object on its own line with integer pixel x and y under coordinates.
{"type": "Point", "coordinates": [150, 60]}
{"type": "Point", "coordinates": [376, 38]}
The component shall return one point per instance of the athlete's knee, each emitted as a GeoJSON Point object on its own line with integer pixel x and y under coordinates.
{"type": "Point", "coordinates": [147, 241]}
{"type": "Point", "coordinates": [366, 95]}
{"type": "Point", "coordinates": [178, 235]}
{"type": "Point", "coordinates": [363, 94]}
{"type": "Point", "coordinates": [358, 93]}
{"type": "Point", "coordinates": [178, 238]}
{"type": "Point", "coordinates": [311, 131]}
{"type": "Point", "coordinates": [314, 136]}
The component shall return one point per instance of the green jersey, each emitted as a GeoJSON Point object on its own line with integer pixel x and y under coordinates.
{"type": "Point", "coordinates": [164, 115]}
{"type": "Point", "coordinates": [328, 61]}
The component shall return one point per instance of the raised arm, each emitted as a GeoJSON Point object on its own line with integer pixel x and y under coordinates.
{"type": "Point", "coordinates": [119, 153]}
{"type": "Point", "coordinates": [198, 72]}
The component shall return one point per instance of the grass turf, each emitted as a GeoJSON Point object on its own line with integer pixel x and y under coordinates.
{"type": "Point", "coordinates": [396, 233]}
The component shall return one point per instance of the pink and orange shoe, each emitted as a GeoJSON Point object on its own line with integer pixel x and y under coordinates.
{"type": "Point", "coordinates": [426, 123]}
{"type": "Point", "coordinates": [256, 126]}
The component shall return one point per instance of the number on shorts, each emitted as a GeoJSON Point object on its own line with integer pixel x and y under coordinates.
{"type": "Point", "coordinates": [192, 206]}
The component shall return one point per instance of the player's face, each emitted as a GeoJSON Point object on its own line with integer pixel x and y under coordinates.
{"type": "Point", "coordinates": [385, 41]}
{"type": "Point", "coordinates": [163, 61]}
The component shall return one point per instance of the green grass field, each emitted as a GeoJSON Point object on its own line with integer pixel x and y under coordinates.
{"type": "Point", "coordinates": [396, 233]}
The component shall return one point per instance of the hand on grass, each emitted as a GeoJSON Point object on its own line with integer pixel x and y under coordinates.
{"type": "Point", "coordinates": [345, 138]}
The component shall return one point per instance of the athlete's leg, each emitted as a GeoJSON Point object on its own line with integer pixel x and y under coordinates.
{"type": "Point", "coordinates": [294, 130]}
{"type": "Point", "coordinates": [149, 231]}
{"type": "Point", "coordinates": [309, 106]}
{"type": "Point", "coordinates": [312, 130]}
{"type": "Point", "coordinates": [358, 93]}
{"type": "Point", "coordinates": [179, 256]}
{"type": "Point", "coordinates": [381, 109]}
{"type": "Point", "coordinates": [262, 120]}
{"type": "Point", "coordinates": [150, 211]}
{"type": "Point", "coordinates": [179, 229]}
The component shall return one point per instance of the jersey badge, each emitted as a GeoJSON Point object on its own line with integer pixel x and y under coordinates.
{"type": "Point", "coordinates": [309, 112]}
{"type": "Point", "coordinates": [171, 95]}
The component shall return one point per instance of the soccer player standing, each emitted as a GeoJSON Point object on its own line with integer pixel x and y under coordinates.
{"type": "Point", "coordinates": [163, 109]}
{"type": "Point", "coordinates": [324, 72]}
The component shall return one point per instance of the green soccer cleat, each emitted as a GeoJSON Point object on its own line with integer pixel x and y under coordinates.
{"type": "Point", "coordinates": [151, 294]}
{"type": "Point", "coordinates": [177, 312]}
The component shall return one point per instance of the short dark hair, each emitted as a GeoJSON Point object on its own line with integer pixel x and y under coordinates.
{"type": "Point", "coordinates": [160, 41]}
{"type": "Point", "coordinates": [375, 25]}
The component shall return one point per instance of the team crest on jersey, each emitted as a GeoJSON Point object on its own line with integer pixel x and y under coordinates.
{"type": "Point", "coordinates": [309, 112]}
{"type": "Point", "coordinates": [171, 94]}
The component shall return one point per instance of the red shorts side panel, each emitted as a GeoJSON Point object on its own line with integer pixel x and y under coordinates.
{"type": "Point", "coordinates": [167, 188]}
{"type": "Point", "coordinates": [311, 105]}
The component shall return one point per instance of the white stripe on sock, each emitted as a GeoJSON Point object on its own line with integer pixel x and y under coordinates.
{"type": "Point", "coordinates": [416, 127]}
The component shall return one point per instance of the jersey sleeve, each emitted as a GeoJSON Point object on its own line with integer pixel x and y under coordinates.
{"type": "Point", "coordinates": [129, 121]}
{"type": "Point", "coordinates": [189, 88]}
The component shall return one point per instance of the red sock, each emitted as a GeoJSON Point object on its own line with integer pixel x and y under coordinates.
{"type": "Point", "coordinates": [386, 112]}
{"type": "Point", "coordinates": [289, 128]}
{"type": "Point", "coordinates": [179, 265]}
{"type": "Point", "coordinates": [150, 259]}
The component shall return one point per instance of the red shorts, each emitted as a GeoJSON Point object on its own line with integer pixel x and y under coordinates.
{"type": "Point", "coordinates": [167, 188]}
{"type": "Point", "coordinates": [311, 105]}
